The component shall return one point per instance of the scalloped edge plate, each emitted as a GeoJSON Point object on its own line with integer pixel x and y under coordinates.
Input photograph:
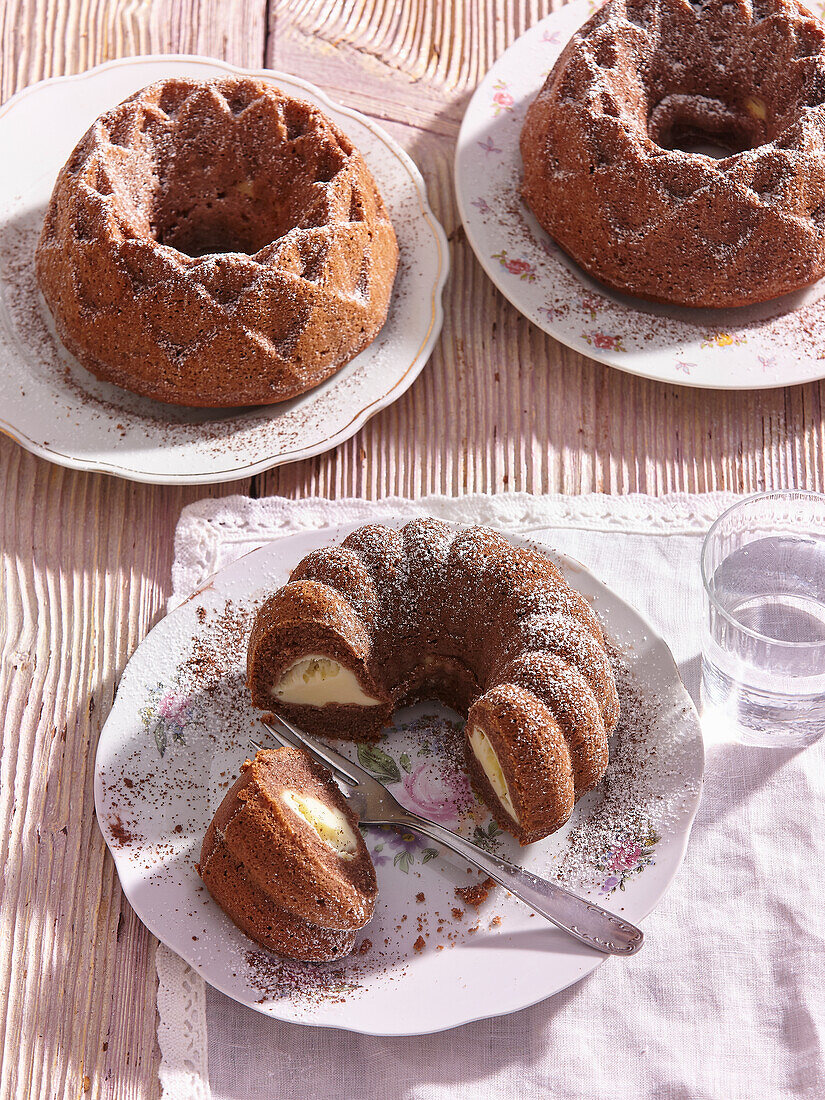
{"type": "Point", "coordinates": [155, 838]}
{"type": "Point", "coordinates": [57, 410]}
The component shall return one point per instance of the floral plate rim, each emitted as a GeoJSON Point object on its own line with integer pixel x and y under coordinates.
{"type": "Point", "coordinates": [123, 734]}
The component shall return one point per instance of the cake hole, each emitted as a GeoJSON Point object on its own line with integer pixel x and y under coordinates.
{"type": "Point", "coordinates": [239, 216]}
{"type": "Point", "coordinates": [716, 146]}
{"type": "Point", "coordinates": [211, 187]}
{"type": "Point", "coordinates": [701, 124]}
{"type": "Point", "coordinates": [214, 227]}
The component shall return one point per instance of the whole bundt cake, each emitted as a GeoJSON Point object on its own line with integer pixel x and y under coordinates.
{"type": "Point", "coordinates": [216, 243]}
{"type": "Point", "coordinates": [495, 631]}
{"type": "Point", "coordinates": [284, 858]}
{"type": "Point", "coordinates": [604, 175]}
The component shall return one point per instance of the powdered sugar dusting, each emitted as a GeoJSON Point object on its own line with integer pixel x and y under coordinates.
{"type": "Point", "coordinates": [637, 801]}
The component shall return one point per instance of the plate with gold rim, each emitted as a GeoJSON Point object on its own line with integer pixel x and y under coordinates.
{"type": "Point", "coordinates": [58, 410]}
{"type": "Point", "coordinates": [438, 952]}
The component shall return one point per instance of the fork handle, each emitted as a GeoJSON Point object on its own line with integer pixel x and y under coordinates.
{"type": "Point", "coordinates": [588, 922]}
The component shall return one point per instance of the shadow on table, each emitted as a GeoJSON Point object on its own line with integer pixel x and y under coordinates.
{"type": "Point", "coordinates": [343, 1065]}
{"type": "Point", "coordinates": [733, 771]}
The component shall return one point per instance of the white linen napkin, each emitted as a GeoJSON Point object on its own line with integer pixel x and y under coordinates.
{"type": "Point", "coordinates": [727, 999]}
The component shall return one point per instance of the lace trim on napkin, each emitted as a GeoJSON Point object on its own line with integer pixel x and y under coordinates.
{"type": "Point", "coordinates": [213, 532]}
{"type": "Point", "coordinates": [181, 1029]}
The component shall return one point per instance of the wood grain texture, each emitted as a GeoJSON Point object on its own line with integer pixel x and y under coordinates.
{"type": "Point", "coordinates": [85, 562]}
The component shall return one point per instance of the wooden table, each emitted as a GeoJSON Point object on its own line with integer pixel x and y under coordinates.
{"type": "Point", "coordinates": [86, 558]}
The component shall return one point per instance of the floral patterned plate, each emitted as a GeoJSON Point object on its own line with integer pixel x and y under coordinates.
{"type": "Point", "coordinates": [56, 409]}
{"type": "Point", "coordinates": [437, 953]}
{"type": "Point", "coordinates": [779, 343]}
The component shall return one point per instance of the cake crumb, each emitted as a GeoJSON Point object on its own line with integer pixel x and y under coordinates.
{"type": "Point", "coordinates": [419, 944]}
{"type": "Point", "coordinates": [366, 946]}
{"type": "Point", "coordinates": [458, 914]}
{"type": "Point", "coordinates": [420, 898]}
{"type": "Point", "coordinates": [475, 895]}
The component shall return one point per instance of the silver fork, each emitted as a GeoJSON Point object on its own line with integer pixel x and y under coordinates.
{"type": "Point", "coordinates": [588, 922]}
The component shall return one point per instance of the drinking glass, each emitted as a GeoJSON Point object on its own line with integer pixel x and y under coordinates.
{"type": "Point", "coordinates": [763, 648]}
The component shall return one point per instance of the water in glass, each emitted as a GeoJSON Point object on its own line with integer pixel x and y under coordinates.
{"type": "Point", "coordinates": [763, 662]}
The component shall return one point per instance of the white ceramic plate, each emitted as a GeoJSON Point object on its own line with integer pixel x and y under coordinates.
{"type": "Point", "coordinates": [178, 733]}
{"type": "Point", "coordinates": [55, 408]}
{"type": "Point", "coordinates": [780, 343]}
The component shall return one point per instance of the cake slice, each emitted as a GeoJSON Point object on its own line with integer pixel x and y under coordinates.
{"type": "Point", "coordinates": [284, 858]}
{"type": "Point", "coordinates": [256, 914]}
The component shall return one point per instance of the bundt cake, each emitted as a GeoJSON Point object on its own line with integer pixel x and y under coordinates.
{"type": "Point", "coordinates": [216, 243]}
{"type": "Point", "coordinates": [495, 631]}
{"type": "Point", "coordinates": [604, 174]}
{"type": "Point", "coordinates": [284, 858]}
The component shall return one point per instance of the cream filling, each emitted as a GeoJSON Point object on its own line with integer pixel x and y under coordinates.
{"type": "Point", "coordinates": [485, 754]}
{"type": "Point", "coordinates": [756, 107]}
{"type": "Point", "coordinates": [330, 824]}
{"type": "Point", "coordinates": [315, 680]}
